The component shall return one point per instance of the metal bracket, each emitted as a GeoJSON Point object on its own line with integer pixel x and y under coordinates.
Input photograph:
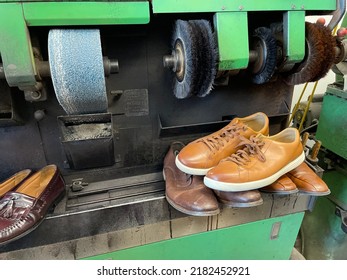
{"type": "Point", "coordinates": [294, 36]}
{"type": "Point", "coordinates": [343, 214]}
{"type": "Point", "coordinates": [15, 47]}
{"type": "Point", "coordinates": [77, 185]}
{"type": "Point", "coordinates": [233, 48]}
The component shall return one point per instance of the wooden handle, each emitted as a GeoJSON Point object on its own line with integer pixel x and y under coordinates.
{"type": "Point", "coordinates": [315, 149]}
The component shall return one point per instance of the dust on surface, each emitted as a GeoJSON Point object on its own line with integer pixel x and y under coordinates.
{"type": "Point", "coordinates": [87, 131]}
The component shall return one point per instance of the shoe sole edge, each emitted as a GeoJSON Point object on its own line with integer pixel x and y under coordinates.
{"type": "Point", "coordinates": [192, 213]}
{"type": "Point", "coordinates": [280, 192]}
{"type": "Point", "coordinates": [253, 185]}
{"type": "Point", "coordinates": [241, 204]}
{"type": "Point", "coordinates": [190, 170]}
{"type": "Point", "coordinates": [315, 193]}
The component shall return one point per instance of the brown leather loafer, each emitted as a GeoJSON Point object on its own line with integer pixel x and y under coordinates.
{"type": "Point", "coordinates": [307, 181]}
{"type": "Point", "coordinates": [282, 186]}
{"type": "Point", "coordinates": [187, 193]}
{"type": "Point", "coordinates": [202, 154]}
{"type": "Point", "coordinates": [260, 163]}
{"type": "Point", "coordinates": [240, 199]}
{"type": "Point", "coordinates": [14, 181]}
{"type": "Point", "coordinates": [23, 210]}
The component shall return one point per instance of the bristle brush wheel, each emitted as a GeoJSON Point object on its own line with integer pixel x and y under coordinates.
{"type": "Point", "coordinates": [193, 59]}
{"type": "Point", "coordinates": [185, 52]}
{"type": "Point", "coordinates": [264, 46]}
{"type": "Point", "coordinates": [207, 57]}
{"type": "Point", "coordinates": [319, 56]}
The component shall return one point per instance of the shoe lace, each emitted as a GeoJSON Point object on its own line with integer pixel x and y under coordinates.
{"type": "Point", "coordinates": [229, 132]}
{"type": "Point", "coordinates": [252, 147]}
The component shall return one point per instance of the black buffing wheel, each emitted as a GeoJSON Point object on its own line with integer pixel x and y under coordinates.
{"type": "Point", "coordinates": [194, 49]}
{"type": "Point", "coordinates": [207, 56]}
{"type": "Point", "coordinates": [265, 45]}
{"type": "Point", "coordinates": [319, 55]}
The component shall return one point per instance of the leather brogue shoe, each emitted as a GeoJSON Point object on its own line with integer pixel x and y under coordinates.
{"type": "Point", "coordinates": [23, 210]}
{"type": "Point", "coordinates": [13, 182]}
{"type": "Point", "coordinates": [240, 199]}
{"type": "Point", "coordinates": [307, 181]}
{"type": "Point", "coordinates": [282, 186]}
{"type": "Point", "coordinates": [260, 163]}
{"type": "Point", "coordinates": [187, 193]}
{"type": "Point", "coordinates": [202, 154]}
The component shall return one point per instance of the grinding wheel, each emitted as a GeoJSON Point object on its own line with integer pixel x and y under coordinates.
{"type": "Point", "coordinates": [194, 50]}
{"type": "Point", "coordinates": [77, 70]}
{"type": "Point", "coordinates": [265, 45]}
{"type": "Point", "coordinates": [319, 58]}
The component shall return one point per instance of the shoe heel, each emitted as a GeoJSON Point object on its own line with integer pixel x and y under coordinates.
{"type": "Point", "coordinates": [56, 202]}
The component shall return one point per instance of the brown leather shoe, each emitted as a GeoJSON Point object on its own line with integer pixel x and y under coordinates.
{"type": "Point", "coordinates": [14, 181]}
{"type": "Point", "coordinates": [240, 199]}
{"type": "Point", "coordinates": [262, 161]}
{"type": "Point", "coordinates": [307, 181]}
{"type": "Point", "coordinates": [283, 185]}
{"type": "Point", "coordinates": [22, 211]}
{"type": "Point", "coordinates": [187, 193]}
{"type": "Point", "coordinates": [202, 154]}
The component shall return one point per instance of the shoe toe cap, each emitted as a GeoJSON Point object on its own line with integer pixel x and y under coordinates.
{"type": "Point", "coordinates": [225, 172]}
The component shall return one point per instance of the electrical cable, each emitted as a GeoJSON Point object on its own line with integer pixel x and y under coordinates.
{"type": "Point", "coordinates": [309, 127]}
{"type": "Point", "coordinates": [297, 104]}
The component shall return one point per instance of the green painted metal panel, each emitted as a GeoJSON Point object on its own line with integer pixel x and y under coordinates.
{"type": "Point", "coordinates": [337, 182]}
{"type": "Point", "coordinates": [294, 35]}
{"type": "Point", "coordinates": [247, 241]}
{"type": "Point", "coordinates": [322, 234]}
{"type": "Point", "coordinates": [85, 13]}
{"type": "Point", "coordinates": [232, 43]}
{"type": "Point", "coordinates": [332, 127]}
{"type": "Point", "coordinates": [184, 6]}
{"type": "Point", "coordinates": [15, 46]}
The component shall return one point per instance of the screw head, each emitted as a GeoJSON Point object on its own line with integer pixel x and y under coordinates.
{"type": "Point", "coordinates": [35, 95]}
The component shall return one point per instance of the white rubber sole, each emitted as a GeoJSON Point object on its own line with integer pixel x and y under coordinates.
{"type": "Point", "coordinates": [253, 185]}
{"type": "Point", "coordinates": [190, 170]}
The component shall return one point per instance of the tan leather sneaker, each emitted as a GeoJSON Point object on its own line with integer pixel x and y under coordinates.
{"type": "Point", "coordinates": [260, 163]}
{"type": "Point", "coordinates": [240, 199]}
{"type": "Point", "coordinates": [202, 154]}
{"type": "Point", "coordinates": [307, 181]}
{"type": "Point", "coordinates": [187, 193]}
{"type": "Point", "coordinates": [282, 186]}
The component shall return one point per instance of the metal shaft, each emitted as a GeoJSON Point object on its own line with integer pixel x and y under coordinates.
{"type": "Point", "coordinates": [111, 66]}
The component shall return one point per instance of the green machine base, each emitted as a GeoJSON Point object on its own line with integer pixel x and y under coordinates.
{"type": "Point", "coordinates": [266, 239]}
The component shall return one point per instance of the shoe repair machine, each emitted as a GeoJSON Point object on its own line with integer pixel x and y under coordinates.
{"type": "Point", "coordinates": [102, 88]}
